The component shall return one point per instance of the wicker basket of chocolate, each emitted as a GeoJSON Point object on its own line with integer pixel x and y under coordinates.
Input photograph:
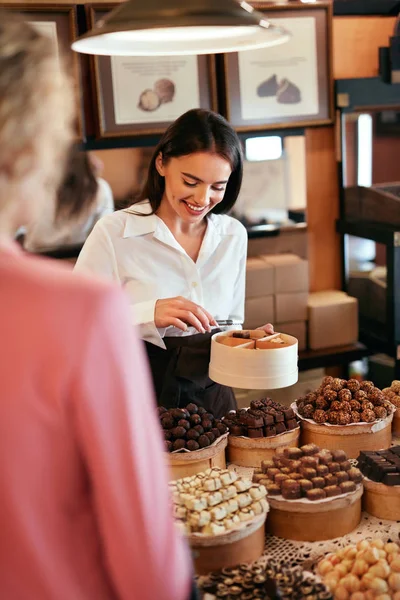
{"type": "Point", "coordinates": [222, 515]}
{"type": "Point", "coordinates": [257, 432]}
{"type": "Point", "coordinates": [392, 394]}
{"type": "Point", "coordinates": [349, 415]}
{"type": "Point", "coordinates": [314, 494]}
{"type": "Point", "coordinates": [194, 439]}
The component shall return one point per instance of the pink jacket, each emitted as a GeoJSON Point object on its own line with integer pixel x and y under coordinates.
{"type": "Point", "coordinates": [84, 509]}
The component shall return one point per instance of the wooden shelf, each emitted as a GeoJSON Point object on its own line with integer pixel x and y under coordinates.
{"type": "Point", "coordinates": [332, 357]}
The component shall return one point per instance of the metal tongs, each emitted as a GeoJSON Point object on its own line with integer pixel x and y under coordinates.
{"type": "Point", "coordinates": [228, 323]}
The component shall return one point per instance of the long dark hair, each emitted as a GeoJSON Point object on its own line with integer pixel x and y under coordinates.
{"type": "Point", "coordinates": [77, 192]}
{"type": "Point", "coordinates": [197, 131]}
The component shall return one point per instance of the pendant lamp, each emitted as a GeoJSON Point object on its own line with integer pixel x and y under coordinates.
{"type": "Point", "coordinates": [179, 27]}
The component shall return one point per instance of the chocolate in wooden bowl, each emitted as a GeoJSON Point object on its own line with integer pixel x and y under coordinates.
{"type": "Point", "coordinates": [350, 438]}
{"type": "Point", "coordinates": [250, 452]}
{"type": "Point", "coordinates": [184, 464]}
{"type": "Point", "coordinates": [314, 521]}
{"type": "Point", "coordinates": [244, 545]}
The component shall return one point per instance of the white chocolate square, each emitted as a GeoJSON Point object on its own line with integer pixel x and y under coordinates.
{"type": "Point", "coordinates": [218, 513]}
{"type": "Point", "coordinates": [242, 485]}
{"type": "Point", "coordinates": [214, 498]}
{"type": "Point", "coordinates": [244, 500]}
{"type": "Point", "coordinates": [229, 492]}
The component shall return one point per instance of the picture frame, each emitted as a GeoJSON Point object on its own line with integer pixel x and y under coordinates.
{"type": "Point", "coordinates": [264, 89]}
{"type": "Point", "coordinates": [59, 21]}
{"type": "Point", "coordinates": [139, 96]}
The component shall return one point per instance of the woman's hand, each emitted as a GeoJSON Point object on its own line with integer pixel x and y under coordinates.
{"type": "Point", "coordinates": [180, 312]}
{"type": "Point", "coordinates": [268, 328]}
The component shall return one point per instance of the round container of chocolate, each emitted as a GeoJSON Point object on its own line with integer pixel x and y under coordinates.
{"type": "Point", "coordinates": [244, 360]}
{"type": "Point", "coordinates": [381, 472]}
{"type": "Point", "coordinates": [381, 501]}
{"type": "Point", "coordinates": [244, 545]}
{"type": "Point", "coordinates": [184, 464]}
{"type": "Point", "coordinates": [314, 521]}
{"type": "Point", "coordinates": [250, 452]}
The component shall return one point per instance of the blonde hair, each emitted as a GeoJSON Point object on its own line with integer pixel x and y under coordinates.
{"type": "Point", "coordinates": [36, 107]}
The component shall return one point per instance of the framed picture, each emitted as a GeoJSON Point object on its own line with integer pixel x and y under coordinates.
{"type": "Point", "coordinates": [290, 85]}
{"type": "Point", "coordinates": [59, 22]}
{"type": "Point", "coordinates": [137, 96]}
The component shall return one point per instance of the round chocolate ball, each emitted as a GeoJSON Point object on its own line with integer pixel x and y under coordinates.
{"type": "Point", "coordinates": [179, 444]}
{"type": "Point", "coordinates": [177, 413]}
{"type": "Point", "coordinates": [209, 417]}
{"type": "Point", "coordinates": [167, 434]}
{"type": "Point", "coordinates": [216, 432]}
{"type": "Point", "coordinates": [169, 446]}
{"type": "Point", "coordinates": [161, 410]}
{"type": "Point", "coordinates": [210, 436]}
{"type": "Point", "coordinates": [222, 428]}
{"type": "Point", "coordinates": [199, 428]}
{"type": "Point", "coordinates": [192, 408]}
{"type": "Point", "coordinates": [206, 424]}
{"type": "Point", "coordinates": [178, 433]}
{"type": "Point", "coordinates": [184, 423]}
{"type": "Point", "coordinates": [167, 422]}
{"type": "Point", "coordinates": [202, 411]}
{"type": "Point", "coordinates": [195, 419]}
{"type": "Point", "coordinates": [204, 441]}
{"type": "Point", "coordinates": [186, 412]}
{"type": "Point", "coordinates": [192, 445]}
{"type": "Point", "coordinates": [192, 434]}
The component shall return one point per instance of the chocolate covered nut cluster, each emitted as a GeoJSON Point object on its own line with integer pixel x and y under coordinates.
{"type": "Point", "coordinates": [216, 501]}
{"type": "Point", "coordinates": [382, 466]}
{"type": "Point", "coordinates": [264, 418]}
{"type": "Point", "coordinates": [341, 402]}
{"type": "Point", "coordinates": [370, 569]}
{"type": "Point", "coordinates": [189, 428]}
{"type": "Point", "coordinates": [392, 393]}
{"type": "Point", "coordinates": [308, 472]}
{"type": "Point", "coordinates": [249, 582]}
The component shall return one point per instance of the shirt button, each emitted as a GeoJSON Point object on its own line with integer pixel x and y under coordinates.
{"type": "Point", "coordinates": [194, 284]}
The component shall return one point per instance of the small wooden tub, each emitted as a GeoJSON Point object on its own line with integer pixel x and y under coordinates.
{"type": "Point", "coordinates": [350, 438]}
{"type": "Point", "coordinates": [381, 501]}
{"type": "Point", "coordinates": [245, 545]}
{"type": "Point", "coordinates": [250, 452]}
{"type": "Point", "coordinates": [185, 464]}
{"type": "Point", "coordinates": [314, 521]}
{"type": "Point", "coordinates": [396, 423]}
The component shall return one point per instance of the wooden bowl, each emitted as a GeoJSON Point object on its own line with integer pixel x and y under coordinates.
{"type": "Point", "coordinates": [350, 438]}
{"type": "Point", "coordinates": [381, 501]}
{"type": "Point", "coordinates": [185, 464]}
{"type": "Point", "coordinates": [314, 521]}
{"type": "Point", "coordinates": [245, 545]}
{"type": "Point", "coordinates": [396, 423]}
{"type": "Point", "coordinates": [250, 452]}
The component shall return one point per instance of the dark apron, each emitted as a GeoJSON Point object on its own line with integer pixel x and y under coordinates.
{"type": "Point", "coordinates": [180, 375]}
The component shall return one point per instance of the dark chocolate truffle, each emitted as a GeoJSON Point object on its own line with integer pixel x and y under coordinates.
{"type": "Point", "coordinates": [192, 445]}
{"type": "Point", "coordinates": [192, 434]}
{"type": "Point", "coordinates": [178, 432]}
{"type": "Point", "coordinates": [179, 444]}
{"type": "Point", "coordinates": [203, 441]}
{"type": "Point", "coordinates": [184, 423]}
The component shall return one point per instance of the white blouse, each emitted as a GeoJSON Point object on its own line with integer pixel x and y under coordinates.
{"type": "Point", "coordinates": [142, 255]}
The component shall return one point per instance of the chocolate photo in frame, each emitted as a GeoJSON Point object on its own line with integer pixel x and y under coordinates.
{"type": "Point", "coordinates": [137, 96]}
{"type": "Point", "coordinates": [289, 85]}
{"type": "Point", "coordinates": [59, 23]}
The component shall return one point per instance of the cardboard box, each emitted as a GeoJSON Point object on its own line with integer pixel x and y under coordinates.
{"type": "Point", "coordinates": [258, 312]}
{"type": "Point", "coordinates": [332, 320]}
{"type": "Point", "coordinates": [298, 329]}
{"type": "Point", "coordinates": [291, 240]}
{"type": "Point", "coordinates": [291, 273]}
{"type": "Point", "coordinates": [259, 278]}
{"type": "Point", "coordinates": [291, 307]}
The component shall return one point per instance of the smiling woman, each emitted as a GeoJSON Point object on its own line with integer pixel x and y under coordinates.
{"type": "Point", "coordinates": [181, 260]}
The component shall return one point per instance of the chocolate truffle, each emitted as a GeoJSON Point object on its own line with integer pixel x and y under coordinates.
{"type": "Point", "coordinates": [344, 418]}
{"type": "Point", "coordinates": [179, 444]}
{"type": "Point", "coordinates": [361, 396]}
{"type": "Point", "coordinates": [167, 422]}
{"type": "Point", "coordinates": [293, 453]}
{"type": "Point", "coordinates": [345, 465]}
{"type": "Point", "coordinates": [333, 417]}
{"type": "Point", "coordinates": [367, 386]}
{"type": "Point", "coordinates": [325, 457]}
{"type": "Point", "coordinates": [195, 419]}
{"type": "Point", "coordinates": [280, 478]}
{"type": "Point", "coordinates": [318, 482]}
{"type": "Point", "coordinates": [353, 385]}
{"type": "Point", "coordinates": [309, 449]}
{"type": "Point", "coordinates": [334, 467]}
{"type": "Point", "coordinates": [291, 489]}
{"type": "Point", "coordinates": [380, 412]}
{"type": "Point", "coordinates": [366, 405]}
{"type": "Point", "coordinates": [169, 446]}
{"type": "Point", "coordinates": [309, 461]}
{"type": "Point", "coordinates": [328, 380]}
{"type": "Point", "coordinates": [203, 441]}
{"type": "Point", "coordinates": [192, 408]}
{"type": "Point", "coordinates": [345, 396]}
{"type": "Point", "coordinates": [316, 494]}
{"type": "Point", "coordinates": [308, 473]}
{"type": "Point", "coordinates": [272, 471]}
{"type": "Point", "coordinates": [330, 395]}
{"type": "Point", "coordinates": [332, 490]}
{"type": "Point", "coordinates": [355, 416]}
{"type": "Point", "coordinates": [322, 470]}
{"type": "Point", "coordinates": [192, 434]}
{"type": "Point", "coordinates": [321, 403]}
{"type": "Point", "coordinates": [348, 486]}
{"type": "Point", "coordinates": [336, 405]}
{"type": "Point", "coordinates": [320, 416]}
{"type": "Point", "coordinates": [192, 445]}
{"type": "Point", "coordinates": [355, 475]}
{"type": "Point", "coordinates": [307, 411]}
{"type": "Point", "coordinates": [266, 464]}
{"type": "Point", "coordinates": [178, 433]}
{"type": "Point", "coordinates": [342, 476]}
{"type": "Point", "coordinates": [210, 436]}
{"type": "Point", "coordinates": [331, 479]}
{"type": "Point", "coordinates": [345, 407]}
{"type": "Point", "coordinates": [305, 485]}
{"type": "Point", "coordinates": [184, 423]}
{"type": "Point", "coordinates": [216, 432]}
{"type": "Point", "coordinates": [368, 416]}
{"type": "Point", "coordinates": [199, 429]}
{"type": "Point", "coordinates": [355, 405]}
{"type": "Point", "coordinates": [273, 489]}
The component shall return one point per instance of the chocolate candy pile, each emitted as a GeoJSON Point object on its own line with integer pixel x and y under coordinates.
{"type": "Point", "coordinates": [392, 393]}
{"type": "Point", "coordinates": [308, 472]}
{"type": "Point", "coordinates": [216, 501]}
{"type": "Point", "coordinates": [363, 572]}
{"type": "Point", "coordinates": [191, 428]}
{"type": "Point", "coordinates": [382, 467]}
{"type": "Point", "coordinates": [264, 418]}
{"type": "Point", "coordinates": [341, 402]}
{"type": "Point", "coordinates": [249, 582]}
